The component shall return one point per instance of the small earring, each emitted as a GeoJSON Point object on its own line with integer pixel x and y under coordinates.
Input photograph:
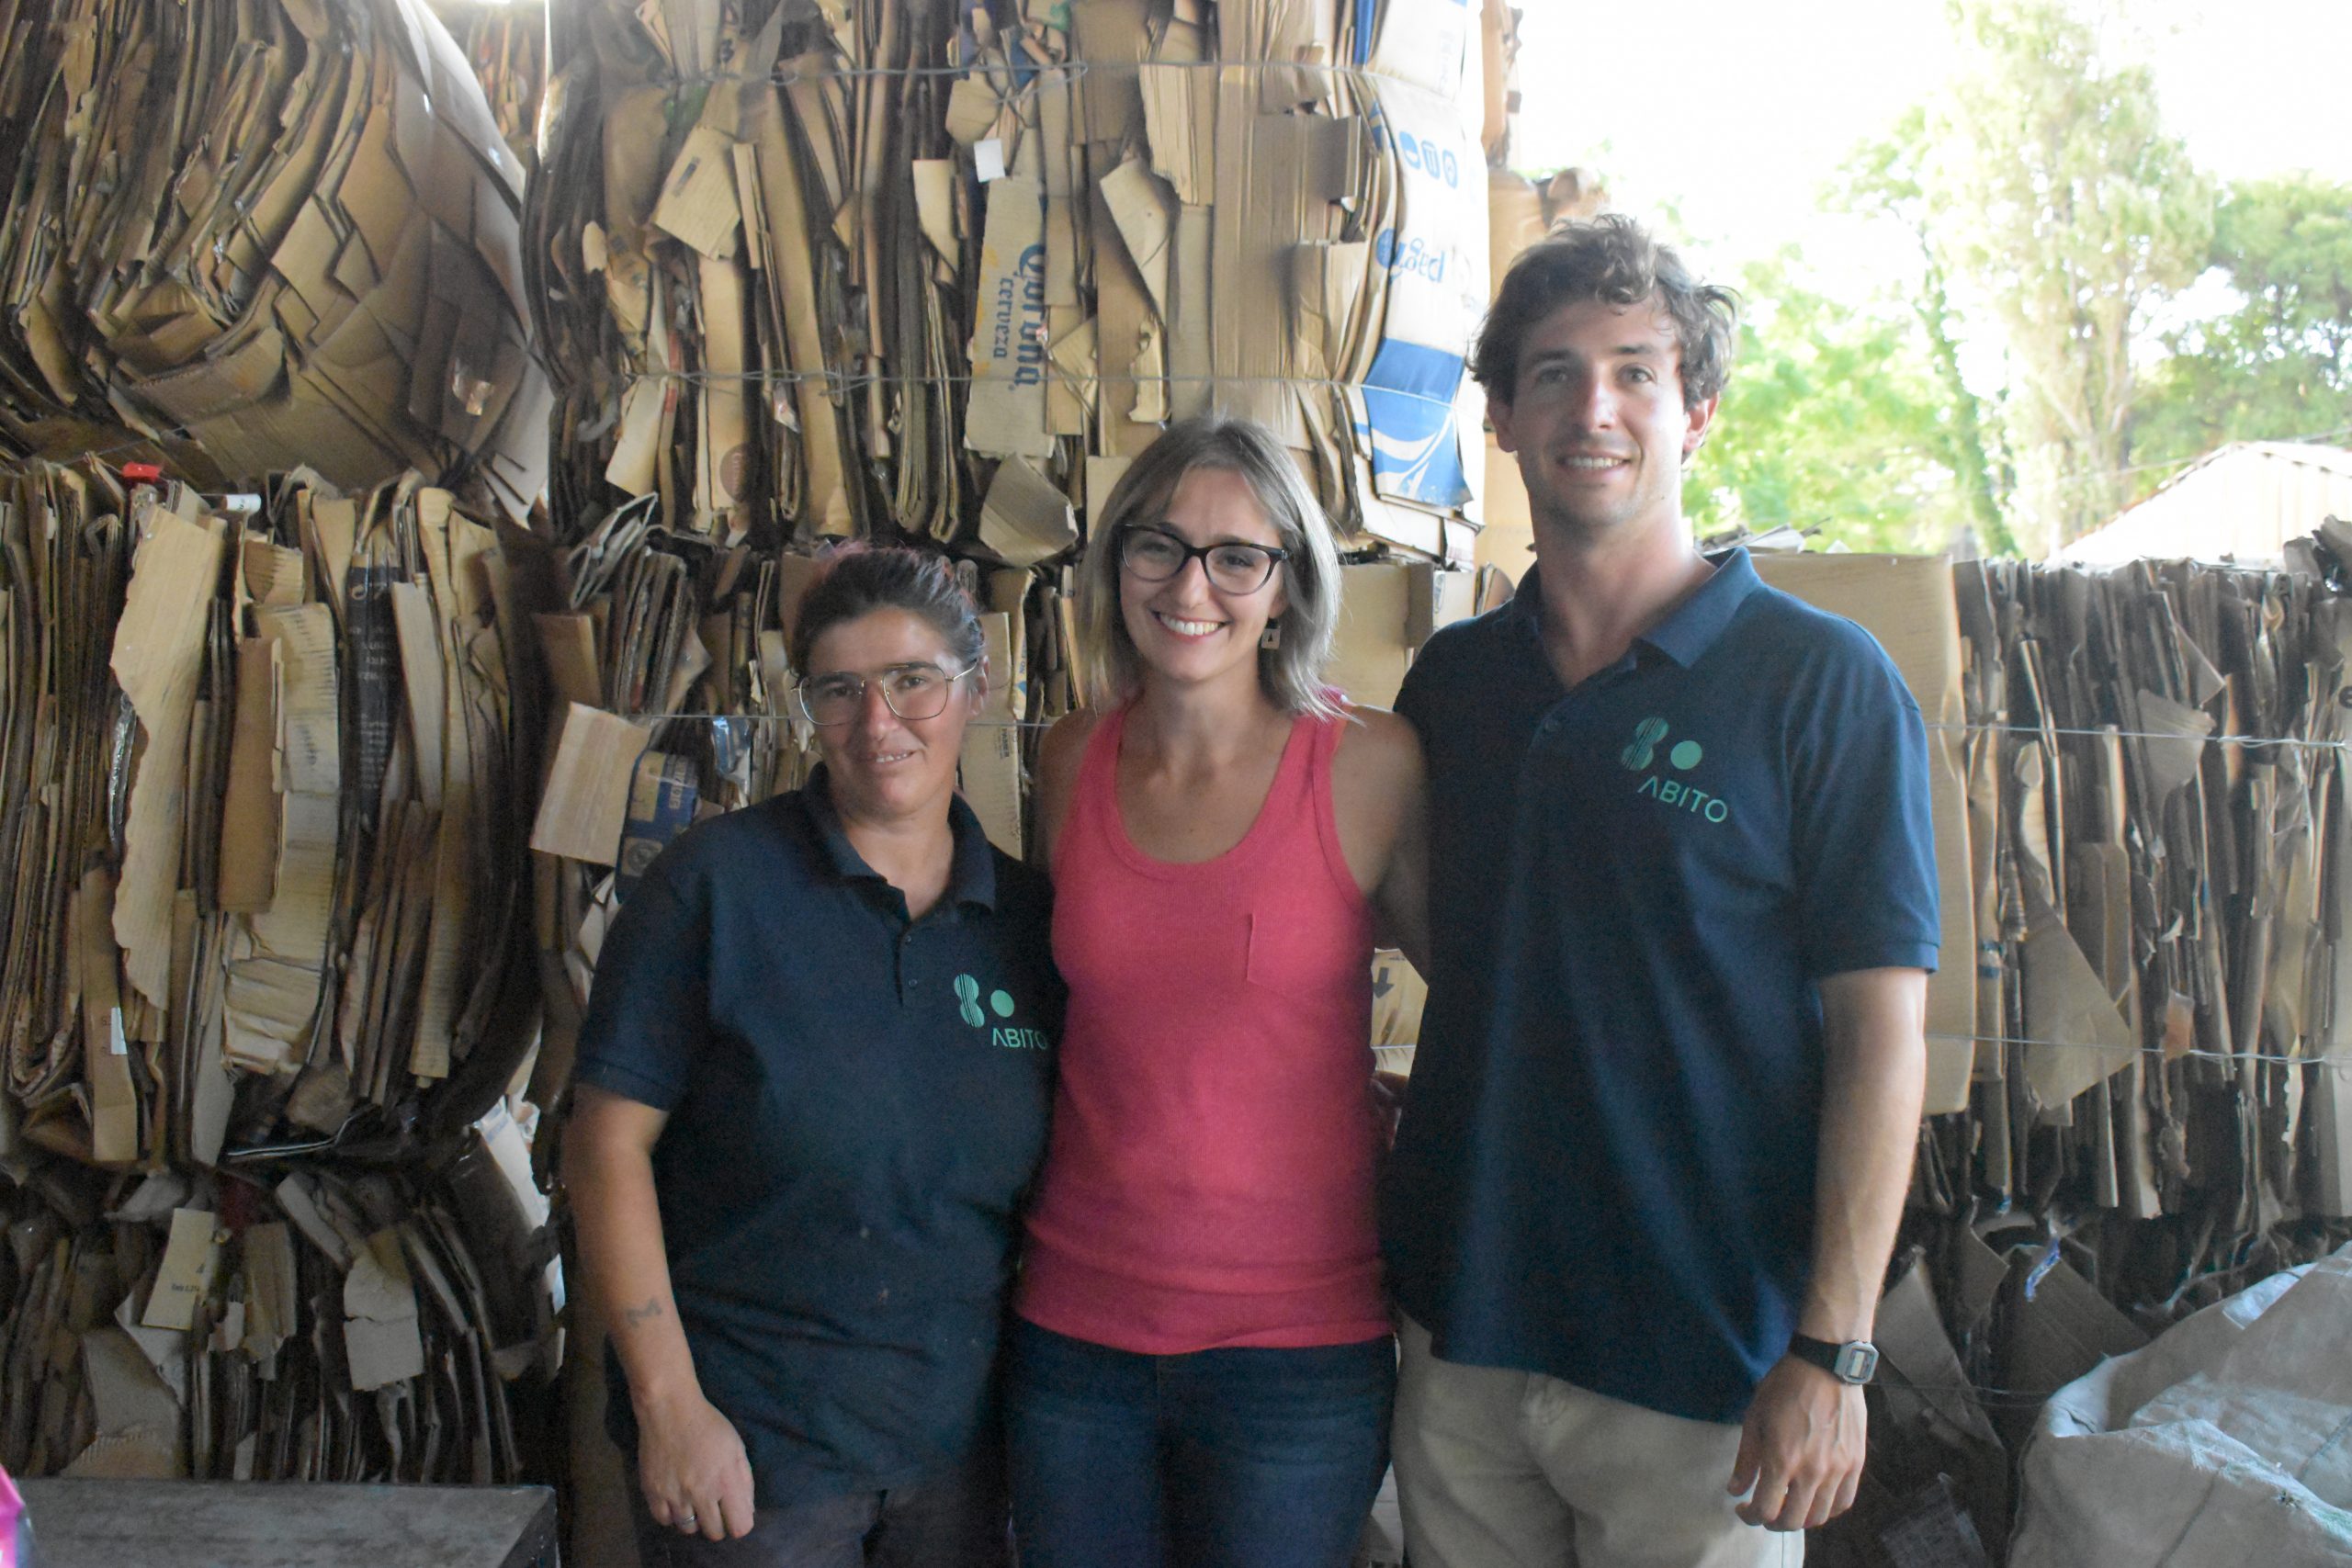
{"type": "Point", "coordinates": [1272, 638]}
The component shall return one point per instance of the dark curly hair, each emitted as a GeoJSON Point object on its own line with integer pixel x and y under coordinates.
{"type": "Point", "coordinates": [856, 579]}
{"type": "Point", "coordinates": [1611, 258]}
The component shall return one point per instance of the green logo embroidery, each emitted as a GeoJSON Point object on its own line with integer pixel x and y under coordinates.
{"type": "Point", "coordinates": [1009, 1035]}
{"type": "Point", "coordinates": [1647, 735]}
{"type": "Point", "coordinates": [1686, 755]}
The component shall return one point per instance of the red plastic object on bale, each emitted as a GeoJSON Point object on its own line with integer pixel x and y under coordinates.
{"type": "Point", "coordinates": [16, 1530]}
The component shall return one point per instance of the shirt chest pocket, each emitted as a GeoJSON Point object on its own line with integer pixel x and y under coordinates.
{"type": "Point", "coordinates": [1298, 950]}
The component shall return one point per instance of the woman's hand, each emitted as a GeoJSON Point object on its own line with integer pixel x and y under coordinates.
{"type": "Point", "coordinates": [692, 1465]}
{"type": "Point", "coordinates": [690, 1458]}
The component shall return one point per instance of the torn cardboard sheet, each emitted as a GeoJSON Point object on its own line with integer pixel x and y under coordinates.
{"type": "Point", "coordinates": [1026, 519]}
{"type": "Point", "coordinates": [585, 803]}
{"type": "Point", "coordinates": [379, 1329]}
{"type": "Point", "coordinates": [315, 257]}
{"type": "Point", "coordinates": [190, 1260]}
{"type": "Point", "coordinates": [158, 658]}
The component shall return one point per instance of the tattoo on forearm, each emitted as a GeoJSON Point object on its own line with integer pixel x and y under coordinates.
{"type": "Point", "coordinates": [646, 1314]}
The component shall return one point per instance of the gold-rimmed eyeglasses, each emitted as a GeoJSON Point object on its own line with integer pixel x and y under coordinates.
{"type": "Point", "coordinates": [913, 691]}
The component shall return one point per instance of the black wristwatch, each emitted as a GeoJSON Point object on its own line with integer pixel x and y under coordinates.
{"type": "Point", "coordinates": [1856, 1361]}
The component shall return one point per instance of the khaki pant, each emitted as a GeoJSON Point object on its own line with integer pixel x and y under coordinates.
{"type": "Point", "coordinates": [1503, 1468]}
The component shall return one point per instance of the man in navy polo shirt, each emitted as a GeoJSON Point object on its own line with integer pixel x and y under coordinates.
{"type": "Point", "coordinates": [1683, 903]}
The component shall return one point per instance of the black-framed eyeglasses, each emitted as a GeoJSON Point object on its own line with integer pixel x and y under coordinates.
{"type": "Point", "coordinates": [1156, 556]}
{"type": "Point", "coordinates": [916, 691]}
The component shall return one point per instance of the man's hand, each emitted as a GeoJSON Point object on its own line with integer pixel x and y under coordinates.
{"type": "Point", "coordinates": [692, 1465]}
{"type": "Point", "coordinates": [1801, 1448]}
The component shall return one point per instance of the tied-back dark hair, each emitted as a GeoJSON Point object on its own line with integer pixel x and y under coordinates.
{"type": "Point", "coordinates": [1612, 259]}
{"type": "Point", "coordinates": [857, 580]}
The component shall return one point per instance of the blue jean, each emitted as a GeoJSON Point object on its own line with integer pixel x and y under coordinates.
{"type": "Point", "coordinates": [1243, 1458]}
{"type": "Point", "coordinates": [955, 1519]}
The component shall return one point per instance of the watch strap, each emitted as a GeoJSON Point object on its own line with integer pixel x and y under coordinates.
{"type": "Point", "coordinates": [1856, 1361]}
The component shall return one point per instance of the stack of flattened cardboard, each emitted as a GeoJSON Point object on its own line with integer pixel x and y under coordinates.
{"type": "Point", "coordinates": [2162, 772]}
{"type": "Point", "coordinates": [741, 307]}
{"type": "Point", "coordinates": [2139, 1056]}
{"type": "Point", "coordinates": [941, 269]}
{"type": "Point", "coordinates": [505, 42]}
{"type": "Point", "coordinates": [296, 1322]}
{"type": "Point", "coordinates": [2138, 780]}
{"type": "Point", "coordinates": [257, 784]}
{"type": "Point", "coordinates": [259, 236]}
{"type": "Point", "coordinates": [938, 272]}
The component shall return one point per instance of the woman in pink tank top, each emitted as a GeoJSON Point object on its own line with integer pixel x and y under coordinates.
{"type": "Point", "coordinates": [1201, 1369]}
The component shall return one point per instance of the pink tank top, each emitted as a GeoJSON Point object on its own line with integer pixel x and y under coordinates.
{"type": "Point", "coordinates": [1209, 1181]}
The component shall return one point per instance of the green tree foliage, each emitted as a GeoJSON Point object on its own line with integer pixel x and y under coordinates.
{"type": "Point", "coordinates": [2056, 196]}
{"type": "Point", "coordinates": [1835, 422]}
{"type": "Point", "coordinates": [1884, 178]}
{"type": "Point", "coordinates": [2279, 367]}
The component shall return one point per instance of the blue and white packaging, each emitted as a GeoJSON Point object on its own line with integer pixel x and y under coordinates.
{"type": "Point", "coordinates": [1417, 415]}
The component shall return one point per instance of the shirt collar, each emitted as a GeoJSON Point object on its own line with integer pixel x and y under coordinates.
{"type": "Point", "coordinates": [971, 877]}
{"type": "Point", "coordinates": [1695, 623]}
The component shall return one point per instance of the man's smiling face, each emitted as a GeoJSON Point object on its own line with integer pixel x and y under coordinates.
{"type": "Point", "coordinates": [1596, 420]}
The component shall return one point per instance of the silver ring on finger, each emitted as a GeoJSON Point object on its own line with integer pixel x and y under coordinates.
{"type": "Point", "coordinates": [686, 1520]}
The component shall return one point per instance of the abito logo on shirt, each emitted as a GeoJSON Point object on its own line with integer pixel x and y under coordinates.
{"type": "Point", "coordinates": [1012, 1036]}
{"type": "Point", "coordinates": [1684, 755]}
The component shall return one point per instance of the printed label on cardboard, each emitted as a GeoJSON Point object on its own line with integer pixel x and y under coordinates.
{"type": "Point", "coordinates": [1434, 256]}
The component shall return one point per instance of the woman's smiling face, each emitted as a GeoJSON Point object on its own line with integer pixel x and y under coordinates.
{"type": "Point", "coordinates": [884, 767]}
{"type": "Point", "coordinates": [1187, 628]}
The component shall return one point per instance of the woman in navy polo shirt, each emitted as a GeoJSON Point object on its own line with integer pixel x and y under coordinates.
{"type": "Point", "coordinates": [812, 1091]}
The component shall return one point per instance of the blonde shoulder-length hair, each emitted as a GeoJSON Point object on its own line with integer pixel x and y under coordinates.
{"type": "Point", "coordinates": [1292, 673]}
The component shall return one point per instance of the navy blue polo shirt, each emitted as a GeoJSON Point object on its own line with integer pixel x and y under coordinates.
{"type": "Point", "coordinates": [1606, 1163]}
{"type": "Point", "coordinates": [857, 1104]}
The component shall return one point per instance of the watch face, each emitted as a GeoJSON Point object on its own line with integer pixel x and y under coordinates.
{"type": "Point", "coordinates": [1857, 1362]}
